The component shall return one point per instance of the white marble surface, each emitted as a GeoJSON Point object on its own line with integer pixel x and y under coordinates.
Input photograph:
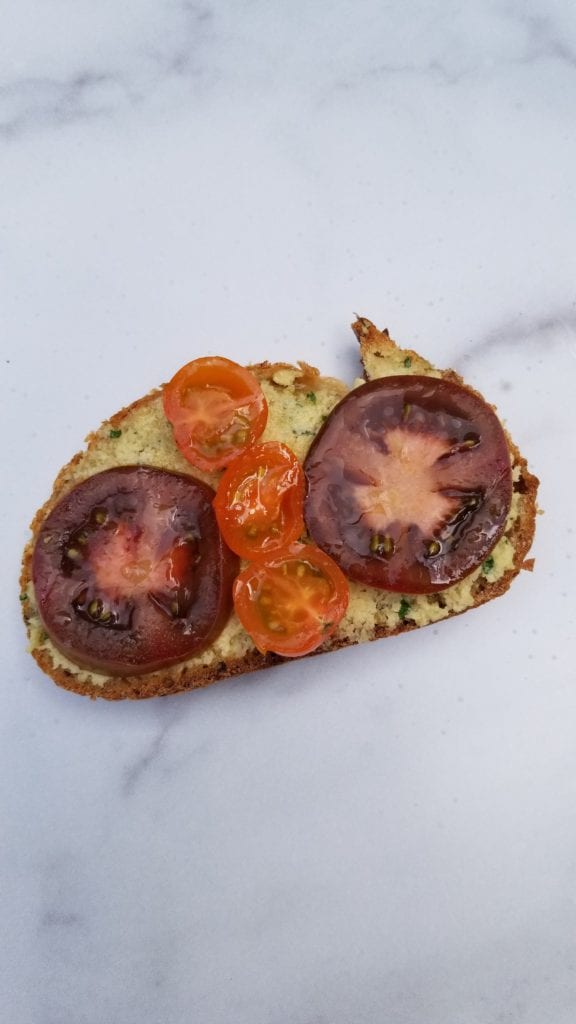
{"type": "Point", "coordinates": [382, 836]}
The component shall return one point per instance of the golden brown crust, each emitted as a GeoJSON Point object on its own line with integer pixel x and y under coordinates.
{"type": "Point", "coordinates": [373, 344]}
{"type": "Point", "coordinates": [308, 376]}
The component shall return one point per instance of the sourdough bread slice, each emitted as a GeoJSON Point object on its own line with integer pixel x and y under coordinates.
{"type": "Point", "coordinates": [299, 400]}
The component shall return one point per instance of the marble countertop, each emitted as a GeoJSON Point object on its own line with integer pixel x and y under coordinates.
{"type": "Point", "coordinates": [386, 835]}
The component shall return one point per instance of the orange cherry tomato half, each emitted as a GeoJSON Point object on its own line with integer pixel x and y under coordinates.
{"type": "Point", "coordinates": [292, 603]}
{"type": "Point", "coordinates": [260, 501]}
{"type": "Point", "coordinates": [216, 409]}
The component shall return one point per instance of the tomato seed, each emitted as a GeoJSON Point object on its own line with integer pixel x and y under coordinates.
{"type": "Point", "coordinates": [381, 545]}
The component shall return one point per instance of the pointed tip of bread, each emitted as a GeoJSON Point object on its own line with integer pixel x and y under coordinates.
{"type": "Point", "coordinates": [382, 357]}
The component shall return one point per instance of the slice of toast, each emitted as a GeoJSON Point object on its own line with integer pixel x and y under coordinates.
{"type": "Point", "coordinates": [299, 400]}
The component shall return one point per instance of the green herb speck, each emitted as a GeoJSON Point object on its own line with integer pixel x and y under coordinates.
{"type": "Point", "coordinates": [115, 433]}
{"type": "Point", "coordinates": [311, 396]}
{"type": "Point", "coordinates": [43, 637]}
{"type": "Point", "coordinates": [408, 361]}
{"type": "Point", "coordinates": [23, 597]}
{"type": "Point", "coordinates": [403, 609]}
{"type": "Point", "coordinates": [488, 565]}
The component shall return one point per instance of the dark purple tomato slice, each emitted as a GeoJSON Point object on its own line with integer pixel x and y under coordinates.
{"type": "Point", "coordinates": [408, 483]}
{"type": "Point", "coordinates": [131, 573]}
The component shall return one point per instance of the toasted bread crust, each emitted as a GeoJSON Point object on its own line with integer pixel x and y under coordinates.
{"type": "Point", "coordinates": [374, 346]}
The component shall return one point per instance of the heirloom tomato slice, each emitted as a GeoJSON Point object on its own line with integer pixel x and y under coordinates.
{"type": "Point", "coordinates": [409, 483]}
{"type": "Point", "coordinates": [130, 571]}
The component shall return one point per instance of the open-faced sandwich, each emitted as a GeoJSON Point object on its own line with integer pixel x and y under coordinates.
{"type": "Point", "coordinates": [241, 516]}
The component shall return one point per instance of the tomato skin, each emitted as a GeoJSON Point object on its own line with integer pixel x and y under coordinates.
{"type": "Point", "coordinates": [259, 501]}
{"type": "Point", "coordinates": [217, 408]}
{"type": "Point", "coordinates": [293, 602]}
{"type": "Point", "coordinates": [409, 483]}
{"type": "Point", "coordinates": [131, 573]}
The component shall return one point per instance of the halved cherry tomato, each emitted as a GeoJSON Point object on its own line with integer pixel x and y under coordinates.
{"type": "Point", "coordinates": [216, 409]}
{"type": "Point", "coordinates": [293, 602]}
{"type": "Point", "coordinates": [130, 571]}
{"type": "Point", "coordinates": [259, 501]}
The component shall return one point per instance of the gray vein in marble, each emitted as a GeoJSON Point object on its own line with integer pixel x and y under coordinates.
{"type": "Point", "coordinates": [60, 919]}
{"type": "Point", "coordinates": [30, 103]}
{"type": "Point", "coordinates": [149, 757]}
{"type": "Point", "coordinates": [198, 19]}
{"type": "Point", "coordinates": [543, 39]}
{"type": "Point", "coordinates": [58, 914]}
{"type": "Point", "coordinates": [434, 69]}
{"type": "Point", "coordinates": [557, 328]}
{"type": "Point", "coordinates": [190, 45]}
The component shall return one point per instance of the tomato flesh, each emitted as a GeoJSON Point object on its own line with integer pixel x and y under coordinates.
{"type": "Point", "coordinates": [130, 571]}
{"type": "Point", "coordinates": [259, 501]}
{"type": "Point", "coordinates": [409, 483]}
{"type": "Point", "coordinates": [216, 408]}
{"type": "Point", "coordinates": [293, 602]}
